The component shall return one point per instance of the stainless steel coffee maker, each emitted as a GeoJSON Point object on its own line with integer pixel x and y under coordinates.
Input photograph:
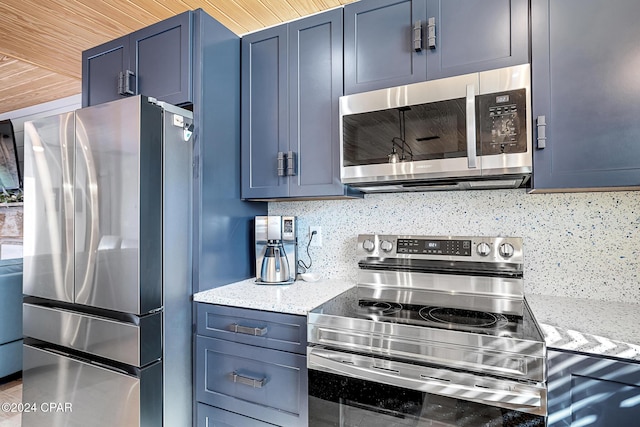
{"type": "Point", "coordinates": [276, 249]}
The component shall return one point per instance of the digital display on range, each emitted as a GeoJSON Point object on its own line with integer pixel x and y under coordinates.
{"type": "Point", "coordinates": [434, 247]}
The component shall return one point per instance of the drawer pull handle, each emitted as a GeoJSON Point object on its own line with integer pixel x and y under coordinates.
{"type": "Point", "coordinates": [238, 329]}
{"type": "Point", "coordinates": [251, 382]}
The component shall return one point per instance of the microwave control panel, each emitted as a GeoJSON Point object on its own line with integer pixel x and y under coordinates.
{"type": "Point", "coordinates": [503, 125]}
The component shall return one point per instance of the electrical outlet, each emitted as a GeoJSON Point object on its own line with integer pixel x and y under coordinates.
{"type": "Point", "coordinates": [317, 238]}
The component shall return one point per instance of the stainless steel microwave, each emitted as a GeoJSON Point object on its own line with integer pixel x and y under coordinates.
{"type": "Point", "coordinates": [464, 132]}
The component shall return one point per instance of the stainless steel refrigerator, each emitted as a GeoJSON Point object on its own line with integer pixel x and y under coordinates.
{"type": "Point", "coordinates": [107, 266]}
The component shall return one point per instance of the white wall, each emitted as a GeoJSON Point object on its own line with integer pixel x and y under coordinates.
{"type": "Point", "coordinates": [18, 117]}
{"type": "Point", "coordinates": [584, 245]}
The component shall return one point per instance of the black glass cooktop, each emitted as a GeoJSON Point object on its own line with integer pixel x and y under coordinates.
{"type": "Point", "coordinates": [348, 305]}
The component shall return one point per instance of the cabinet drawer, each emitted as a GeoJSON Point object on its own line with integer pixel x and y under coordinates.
{"type": "Point", "coordinates": [208, 416]}
{"type": "Point", "coordinates": [265, 384]}
{"type": "Point", "coordinates": [278, 331]}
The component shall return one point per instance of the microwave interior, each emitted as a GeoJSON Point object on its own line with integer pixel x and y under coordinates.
{"type": "Point", "coordinates": [436, 130]}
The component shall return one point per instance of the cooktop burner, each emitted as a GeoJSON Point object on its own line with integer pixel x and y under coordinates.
{"type": "Point", "coordinates": [438, 317]}
{"type": "Point", "coordinates": [454, 316]}
{"type": "Point", "coordinates": [381, 308]}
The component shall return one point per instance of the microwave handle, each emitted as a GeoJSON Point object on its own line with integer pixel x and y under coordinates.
{"type": "Point", "coordinates": [471, 127]}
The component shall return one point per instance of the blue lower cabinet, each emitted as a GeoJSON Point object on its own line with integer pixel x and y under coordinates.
{"type": "Point", "coordinates": [208, 416]}
{"type": "Point", "coordinates": [592, 391]}
{"type": "Point", "coordinates": [245, 379]}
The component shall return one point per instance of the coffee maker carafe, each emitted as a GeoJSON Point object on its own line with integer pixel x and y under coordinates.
{"type": "Point", "coordinates": [276, 249]}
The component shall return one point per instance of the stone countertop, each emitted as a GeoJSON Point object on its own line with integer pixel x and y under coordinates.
{"type": "Point", "coordinates": [584, 325]}
{"type": "Point", "coordinates": [297, 298]}
{"type": "Point", "coordinates": [589, 326]}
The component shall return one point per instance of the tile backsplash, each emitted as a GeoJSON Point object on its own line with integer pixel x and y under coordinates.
{"type": "Point", "coordinates": [582, 245]}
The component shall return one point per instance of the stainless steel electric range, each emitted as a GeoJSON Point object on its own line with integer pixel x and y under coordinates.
{"type": "Point", "coordinates": [437, 332]}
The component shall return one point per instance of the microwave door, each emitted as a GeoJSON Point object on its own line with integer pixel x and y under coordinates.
{"type": "Point", "coordinates": [419, 131]}
{"type": "Point", "coordinates": [435, 142]}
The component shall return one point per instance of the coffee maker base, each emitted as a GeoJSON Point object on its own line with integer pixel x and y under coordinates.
{"type": "Point", "coordinates": [262, 282]}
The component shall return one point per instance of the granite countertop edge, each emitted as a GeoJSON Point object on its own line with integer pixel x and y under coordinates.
{"type": "Point", "coordinates": [298, 298]}
{"type": "Point", "coordinates": [603, 328]}
{"type": "Point", "coordinates": [567, 323]}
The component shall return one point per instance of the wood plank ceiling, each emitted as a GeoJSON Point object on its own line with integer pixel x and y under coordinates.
{"type": "Point", "coordinates": [41, 43]}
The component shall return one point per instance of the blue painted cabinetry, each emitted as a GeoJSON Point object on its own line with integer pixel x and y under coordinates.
{"type": "Point", "coordinates": [154, 61]}
{"type": "Point", "coordinates": [590, 390]}
{"type": "Point", "coordinates": [250, 367]}
{"type": "Point", "coordinates": [291, 82]}
{"type": "Point", "coordinates": [396, 42]}
{"type": "Point", "coordinates": [585, 94]}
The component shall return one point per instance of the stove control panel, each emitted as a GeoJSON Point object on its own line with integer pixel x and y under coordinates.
{"type": "Point", "coordinates": [473, 249]}
{"type": "Point", "coordinates": [434, 247]}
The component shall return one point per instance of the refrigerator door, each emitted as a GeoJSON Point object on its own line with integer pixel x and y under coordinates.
{"type": "Point", "coordinates": [48, 207]}
{"type": "Point", "coordinates": [70, 392]}
{"type": "Point", "coordinates": [118, 200]}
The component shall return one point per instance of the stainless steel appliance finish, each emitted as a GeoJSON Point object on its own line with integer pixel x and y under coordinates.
{"type": "Point", "coordinates": [90, 394]}
{"type": "Point", "coordinates": [107, 265]}
{"type": "Point", "coordinates": [276, 249]}
{"type": "Point", "coordinates": [134, 344]}
{"type": "Point", "coordinates": [464, 132]}
{"type": "Point", "coordinates": [444, 317]}
{"type": "Point", "coordinates": [443, 382]}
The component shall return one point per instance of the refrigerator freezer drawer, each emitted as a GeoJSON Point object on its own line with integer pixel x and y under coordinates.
{"type": "Point", "coordinates": [63, 391]}
{"type": "Point", "coordinates": [135, 345]}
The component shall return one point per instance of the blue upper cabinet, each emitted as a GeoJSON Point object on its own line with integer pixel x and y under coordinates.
{"type": "Point", "coordinates": [476, 35]}
{"type": "Point", "coordinates": [378, 44]}
{"type": "Point", "coordinates": [291, 83]}
{"type": "Point", "coordinates": [396, 42]}
{"type": "Point", "coordinates": [154, 61]}
{"type": "Point", "coordinates": [585, 94]}
{"type": "Point", "coordinates": [264, 118]}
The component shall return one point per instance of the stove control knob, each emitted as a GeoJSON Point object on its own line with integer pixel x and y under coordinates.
{"type": "Point", "coordinates": [386, 245]}
{"type": "Point", "coordinates": [368, 245]}
{"type": "Point", "coordinates": [506, 250]}
{"type": "Point", "coordinates": [483, 249]}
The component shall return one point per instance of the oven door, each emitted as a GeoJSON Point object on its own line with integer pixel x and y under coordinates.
{"type": "Point", "coordinates": [352, 390]}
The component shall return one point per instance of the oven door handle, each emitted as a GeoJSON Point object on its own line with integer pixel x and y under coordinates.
{"type": "Point", "coordinates": [465, 386]}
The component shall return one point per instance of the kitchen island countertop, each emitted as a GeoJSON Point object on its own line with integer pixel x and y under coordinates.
{"type": "Point", "coordinates": [297, 298]}
{"type": "Point", "coordinates": [589, 326]}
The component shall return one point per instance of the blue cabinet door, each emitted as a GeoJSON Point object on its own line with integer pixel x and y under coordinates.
{"type": "Point", "coordinates": [158, 59]}
{"type": "Point", "coordinates": [378, 44]}
{"type": "Point", "coordinates": [315, 86]}
{"type": "Point", "coordinates": [163, 59]}
{"type": "Point", "coordinates": [594, 391]}
{"type": "Point", "coordinates": [477, 35]}
{"type": "Point", "coordinates": [101, 67]}
{"type": "Point", "coordinates": [264, 113]}
{"type": "Point", "coordinates": [585, 84]}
